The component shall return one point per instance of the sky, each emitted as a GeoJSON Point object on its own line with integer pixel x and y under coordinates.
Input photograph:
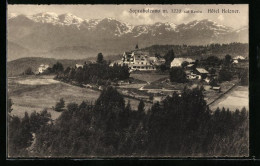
{"type": "Point", "coordinates": [123, 13]}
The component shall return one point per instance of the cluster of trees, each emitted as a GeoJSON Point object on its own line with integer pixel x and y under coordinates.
{"type": "Point", "coordinates": [177, 74]}
{"type": "Point", "coordinates": [182, 125]}
{"type": "Point", "coordinates": [169, 56]}
{"type": "Point", "coordinates": [55, 69]}
{"type": "Point", "coordinates": [190, 50]}
{"type": "Point", "coordinates": [98, 73]}
{"type": "Point", "coordinates": [20, 130]}
{"type": "Point", "coordinates": [28, 71]}
{"type": "Point", "coordinates": [243, 75]}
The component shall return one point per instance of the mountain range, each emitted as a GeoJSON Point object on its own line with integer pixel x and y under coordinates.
{"type": "Point", "coordinates": [67, 36]}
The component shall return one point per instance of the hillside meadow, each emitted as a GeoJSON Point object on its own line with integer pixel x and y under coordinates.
{"type": "Point", "coordinates": [34, 93]}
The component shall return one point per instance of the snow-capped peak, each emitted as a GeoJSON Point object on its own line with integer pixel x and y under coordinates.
{"type": "Point", "coordinates": [110, 18]}
{"type": "Point", "coordinates": [12, 15]}
{"type": "Point", "coordinates": [69, 18]}
{"type": "Point", "coordinates": [171, 25]}
{"type": "Point", "coordinates": [46, 17]}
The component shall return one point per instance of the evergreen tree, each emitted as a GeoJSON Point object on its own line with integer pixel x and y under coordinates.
{"type": "Point", "coordinates": [57, 68]}
{"type": "Point", "coordinates": [110, 98]}
{"type": "Point", "coordinates": [141, 106]}
{"type": "Point", "coordinates": [224, 74]}
{"type": "Point", "coordinates": [177, 74]}
{"type": "Point", "coordinates": [72, 107]}
{"type": "Point", "coordinates": [28, 71]}
{"type": "Point", "coordinates": [227, 60]}
{"type": "Point", "coordinates": [60, 105]}
{"type": "Point", "coordinates": [100, 58]}
{"type": "Point", "coordinates": [169, 56]}
{"type": "Point", "coordinates": [9, 105]}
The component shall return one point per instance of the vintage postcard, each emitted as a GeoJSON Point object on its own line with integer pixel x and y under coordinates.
{"type": "Point", "coordinates": [145, 81]}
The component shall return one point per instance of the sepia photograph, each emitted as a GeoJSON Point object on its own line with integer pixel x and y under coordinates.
{"type": "Point", "coordinates": [127, 81]}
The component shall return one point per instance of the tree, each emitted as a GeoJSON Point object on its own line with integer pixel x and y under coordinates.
{"type": "Point", "coordinates": [37, 120]}
{"type": "Point", "coordinates": [83, 105]}
{"type": "Point", "coordinates": [224, 75]}
{"type": "Point", "coordinates": [110, 98]}
{"type": "Point", "coordinates": [67, 70]}
{"type": "Point", "coordinates": [169, 56]}
{"type": "Point", "coordinates": [213, 61]}
{"type": "Point", "coordinates": [163, 67]}
{"type": "Point", "coordinates": [213, 82]}
{"type": "Point", "coordinates": [141, 106]}
{"type": "Point", "coordinates": [177, 74]}
{"type": "Point", "coordinates": [60, 105]}
{"type": "Point", "coordinates": [243, 75]}
{"type": "Point", "coordinates": [227, 60]}
{"type": "Point", "coordinates": [19, 135]}
{"type": "Point", "coordinates": [184, 64]}
{"type": "Point", "coordinates": [157, 55]}
{"type": "Point", "coordinates": [79, 75]}
{"type": "Point", "coordinates": [9, 105]}
{"type": "Point", "coordinates": [100, 58]}
{"type": "Point", "coordinates": [57, 68]}
{"type": "Point", "coordinates": [28, 71]}
{"type": "Point", "coordinates": [72, 107]}
{"type": "Point", "coordinates": [212, 71]}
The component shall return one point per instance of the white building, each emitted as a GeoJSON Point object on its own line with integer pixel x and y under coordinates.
{"type": "Point", "coordinates": [42, 68]}
{"type": "Point", "coordinates": [139, 60]}
{"type": "Point", "coordinates": [79, 65]}
{"type": "Point", "coordinates": [237, 59]}
{"type": "Point", "coordinates": [178, 61]}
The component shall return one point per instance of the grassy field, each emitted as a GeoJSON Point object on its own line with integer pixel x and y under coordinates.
{"type": "Point", "coordinates": [34, 93]}
{"type": "Point", "coordinates": [237, 98]}
{"type": "Point", "coordinates": [150, 76]}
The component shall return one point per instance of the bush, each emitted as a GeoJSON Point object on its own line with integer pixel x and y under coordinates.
{"type": "Point", "coordinates": [60, 105]}
{"type": "Point", "coordinates": [28, 71]}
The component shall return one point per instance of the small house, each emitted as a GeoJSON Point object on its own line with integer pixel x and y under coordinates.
{"type": "Point", "coordinates": [176, 62]}
{"type": "Point", "coordinates": [42, 68]}
{"type": "Point", "coordinates": [202, 72]}
{"type": "Point", "coordinates": [79, 65]}
{"type": "Point", "coordinates": [216, 88]}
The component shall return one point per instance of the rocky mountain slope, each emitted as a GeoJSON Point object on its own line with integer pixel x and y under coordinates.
{"type": "Point", "coordinates": [69, 36]}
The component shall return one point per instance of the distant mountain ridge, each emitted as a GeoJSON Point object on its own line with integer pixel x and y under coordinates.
{"type": "Point", "coordinates": [42, 33]}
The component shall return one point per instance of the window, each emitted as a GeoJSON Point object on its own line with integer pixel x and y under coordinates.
{"type": "Point", "coordinates": [142, 67]}
{"type": "Point", "coordinates": [142, 63]}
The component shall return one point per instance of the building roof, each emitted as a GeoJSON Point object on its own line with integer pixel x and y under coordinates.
{"type": "Point", "coordinates": [119, 62]}
{"type": "Point", "coordinates": [202, 71]}
{"type": "Point", "coordinates": [128, 53]}
{"type": "Point", "coordinates": [179, 61]}
{"type": "Point", "coordinates": [238, 57]}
